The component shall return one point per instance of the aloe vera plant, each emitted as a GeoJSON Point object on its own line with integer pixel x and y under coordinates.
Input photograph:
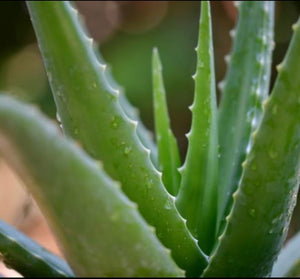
{"type": "Point", "coordinates": [120, 205]}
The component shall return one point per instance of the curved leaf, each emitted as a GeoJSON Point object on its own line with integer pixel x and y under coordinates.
{"type": "Point", "coordinates": [100, 231]}
{"type": "Point", "coordinates": [263, 204]}
{"type": "Point", "coordinates": [246, 86]}
{"type": "Point", "coordinates": [91, 112]}
{"type": "Point", "coordinates": [144, 135]}
{"type": "Point", "coordinates": [168, 152]}
{"type": "Point", "coordinates": [27, 257]}
{"type": "Point", "coordinates": [197, 198]}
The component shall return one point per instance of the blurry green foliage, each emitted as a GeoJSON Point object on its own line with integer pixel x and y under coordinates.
{"type": "Point", "coordinates": [170, 25]}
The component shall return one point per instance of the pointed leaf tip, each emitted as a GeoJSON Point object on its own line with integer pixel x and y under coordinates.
{"type": "Point", "coordinates": [197, 198]}
{"type": "Point", "coordinates": [168, 152]}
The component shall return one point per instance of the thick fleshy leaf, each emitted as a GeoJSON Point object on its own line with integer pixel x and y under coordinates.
{"type": "Point", "coordinates": [246, 86]}
{"type": "Point", "coordinates": [168, 153]}
{"type": "Point", "coordinates": [91, 112]}
{"type": "Point", "coordinates": [197, 198]}
{"type": "Point", "coordinates": [100, 231]}
{"type": "Point", "coordinates": [27, 257]}
{"type": "Point", "coordinates": [263, 204]}
{"type": "Point", "coordinates": [288, 262]}
{"type": "Point", "coordinates": [144, 135]}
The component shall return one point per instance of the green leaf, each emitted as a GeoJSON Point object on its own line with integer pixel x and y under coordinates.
{"type": "Point", "coordinates": [246, 86]}
{"type": "Point", "coordinates": [197, 198]}
{"type": "Point", "coordinates": [263, 204]}
{"type": "Point", "coordinates": [288, 262]}
{"type": "Point", "coordinates": [144, 135]}
{"type": "Point", "coordinates": [168, 152]}
{"type": "Point", "coordinates": [27, 257]}
{"type": "Point", "coordinates": [91, 112]}
{"type": "Point", "coordinates": [100, 231]}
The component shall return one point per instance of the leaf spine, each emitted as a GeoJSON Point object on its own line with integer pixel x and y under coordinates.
{"type": "Point", "coordinates": [295, 27]}
{"type": "Point", "coordinates": [279, 67]}
{"type": "Point", "coordinates": [232, 33]}
{"type": "Point", "coordinates": [102, 67]}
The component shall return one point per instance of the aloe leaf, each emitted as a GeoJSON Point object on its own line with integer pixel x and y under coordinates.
{"type": "Point", "coordinates": [91, 112]}
{"type": "Point", "coordinates": [100, 231]}
{"type": "Point", "coordinates": [197, 198]}
{"type": "Point", "coordinates": [27, 257]}
{"type": "Point", "coordinates": [257, 226]}
{"type": "Point", "coordinates": [246, 86]}
{"type": "Point", "coordinates": [144, 135]}
{"type": "Point", "coordinates": [288, 262]}
{"type": "Point", "coordinates": [168, 152]}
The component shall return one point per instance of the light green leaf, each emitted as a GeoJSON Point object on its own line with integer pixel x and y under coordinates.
{"type": "Point", "coordinates": [91, 112]}
{"type": "Point", "coordinates": [263, 204]}
{"type": "Point", "coordinates": [100, 231]}
{"type": "Point", "coordinates": [168, 152]}
{"type": "Point", "coordinates": [144, 135]}
{"type": "Point", "coordinates": [246, 86]}
{"type": "Point", "coordinates": [197, 198]}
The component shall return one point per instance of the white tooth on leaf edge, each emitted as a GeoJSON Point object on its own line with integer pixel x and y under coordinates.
{"type": "Point", "coordinates": [116, 92]}
{"type": "Point", "coordinates": [181, 169]}
{"type": "Point", "coordinates": [232, 33]}
{"type": "Point", "coordinates": [90, 40]}
{"type": "Point", "coordinates": [279, 67]}
{"type": "Point", "coordinates": [221, 85]}
{"type": "Point", "coordinates": [134, 122]}
{"type": "Point", "coordinates": [191, 107]}
{"type": "Point", "coordinates": [294, 26]}
{"type": "Point", "coordinates": [188, 135]}
{"type": "Point", "coordinates": [227, 58]}
{"type": "Point", "coordinates": [148, 151]}
{"type": "Point", "coordinates": [103, 66]}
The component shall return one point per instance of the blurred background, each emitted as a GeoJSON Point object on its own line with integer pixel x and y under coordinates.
{"type": "Point", "coordinates": [126, 32]}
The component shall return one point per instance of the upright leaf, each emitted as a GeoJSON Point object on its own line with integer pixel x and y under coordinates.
{"type": "Point", "coordinates": [168, 152]}
{"type": "Point", "coordinates": [99, 230]}
{"type": "Point", "coordinates": [27, 257]}
{"type": "Point", "coordinates": [197, 198]}
{"type": "Point", "coordinates": [91, 112]}
{"type": "Point", "coordinates": [246, 86]}
{"type": "Point", "coordinates": [263, 204]}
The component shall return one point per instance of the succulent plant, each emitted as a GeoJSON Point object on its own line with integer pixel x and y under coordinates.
{"type": "Point", "coordinates": [120, 205]}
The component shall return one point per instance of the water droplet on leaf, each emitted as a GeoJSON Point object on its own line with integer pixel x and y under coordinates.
{"type": "Point", "coordinates": [115, 122]}
{"type": "Point", "coordinates": [127, 150]}
{"type": "Point", "coordinates": [252, 212]}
